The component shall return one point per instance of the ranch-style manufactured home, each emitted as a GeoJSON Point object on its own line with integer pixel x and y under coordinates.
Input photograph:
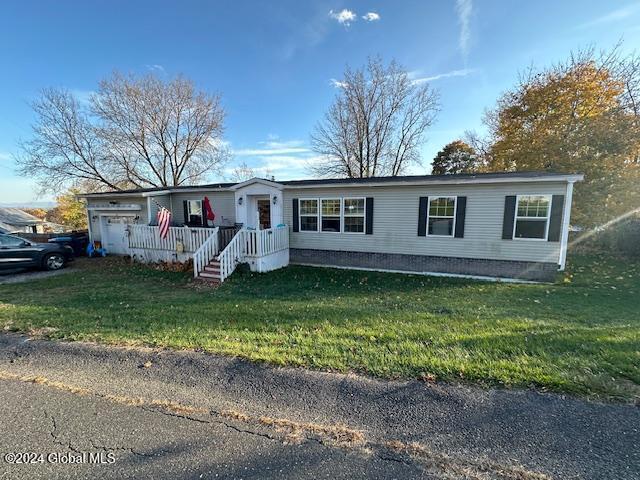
{"type": "Point", "coordinates": [506, 225]}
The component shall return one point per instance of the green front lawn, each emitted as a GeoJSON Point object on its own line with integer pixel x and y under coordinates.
{"type": "Point", "coordinates": [581, 335]}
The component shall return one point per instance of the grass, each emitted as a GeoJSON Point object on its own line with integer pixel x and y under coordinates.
{"type": "Point", "coordinates": [580, 335]}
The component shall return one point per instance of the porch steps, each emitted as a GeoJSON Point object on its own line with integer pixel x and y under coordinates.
{"type": "Point", "coordinates": [211, 272]}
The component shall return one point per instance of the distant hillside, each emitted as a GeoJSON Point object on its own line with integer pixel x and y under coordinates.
{"type": "Point", "coordinates": [45, 205]}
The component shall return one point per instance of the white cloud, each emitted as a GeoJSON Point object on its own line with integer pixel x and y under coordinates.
{"type": "Point", "coordinates": [344, 17]}
{"type": "Point", "coordinates": [337, 83]}
{"type": "Point", "coordinates": [5, 156]}
{"type": "Point", "coordinates": [273, 147]}
{"type": "Point", "coordinates": [281, 163]}
{"type": "Point", "coordinates": [371, 17]}
{"type": "Point", "coordinates": [285, 160]}
{"type": "Point", "coordinates": [614, 16]}
{"type": "Point", "coordinates": [417, 80]}
{"type": "Point", "coordinates": [155, 67]}
{"type": "Point", "coordinates": [464, 9]}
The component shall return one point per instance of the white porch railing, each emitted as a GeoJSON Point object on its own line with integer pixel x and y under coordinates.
{"type": "Point", "coordinates": [265, 242]}
{"type": "Point", "coordinates": [205, 254]}
{"type": "Point", "coordinates": [233, 254]}
{"type": "Point", "coordinates": [148, 238]}
{"type": "Point", "coordinates": [249, 244]}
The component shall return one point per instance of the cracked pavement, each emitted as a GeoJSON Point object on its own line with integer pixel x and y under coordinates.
{"type": "Point", "coordinates": [192, 415]}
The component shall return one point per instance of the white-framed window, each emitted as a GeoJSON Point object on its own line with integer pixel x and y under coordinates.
{"type": "Point", "coordinates": [354, 215]}
{"type": "Point", "coordinates": [441, 216]}
{"type": "Point", "coordinates": [330, 215]}
{"type": "Point", "coordinates": [308, 213]}
{"type": "Point", "coordinates": [194, 212]}
{"type": "Point", "coordinates": [532, 217]}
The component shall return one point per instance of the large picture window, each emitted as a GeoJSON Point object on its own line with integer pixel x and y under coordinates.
{"type": "Point", "coordinates": [532, 217]}
{"type": "Point", "coordinates": [441, 216]}
{"type": "Point", "coordinates": [309, 215]}
{"type": "Point", "coordinates": [354, 215]}
{"type": "Point", "coordinates": [330, 214]}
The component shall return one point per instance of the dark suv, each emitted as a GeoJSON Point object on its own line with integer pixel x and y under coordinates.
{"type": "Point", "coordinates": [16, 252]}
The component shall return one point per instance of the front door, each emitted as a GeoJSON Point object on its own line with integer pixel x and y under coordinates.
{"type": "Point", "coordinates": [264, 213]}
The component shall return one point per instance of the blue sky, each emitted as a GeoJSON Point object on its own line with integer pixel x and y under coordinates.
{"type": "Point", "coordinates": [273, 62]}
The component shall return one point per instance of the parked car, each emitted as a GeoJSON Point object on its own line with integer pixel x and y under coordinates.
{"type": "Point", "coordinates": [16, 252]}
{"type": "Point", "coordinates": [76, 240]}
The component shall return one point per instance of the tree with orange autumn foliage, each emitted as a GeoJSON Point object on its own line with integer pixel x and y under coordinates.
{"type": "Point", "coordinates": [582, 115]}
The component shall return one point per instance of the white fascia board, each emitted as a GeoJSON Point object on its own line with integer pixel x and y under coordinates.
{"type": "Point", "coordinates": [156, 194]}
{"type": "Point", "coordinates": [261, 181]}
{"type": "Point", "coordinates": [109, 194]}
{"type": "Point", "coordinates": [199, 189]}
{"type": "Point", "coordinates": [115, 208]}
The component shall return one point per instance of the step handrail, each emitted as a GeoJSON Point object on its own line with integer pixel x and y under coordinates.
{"type": "Point", "coordinates": [232, 255]}
{"type": "Point", "coordinates": [205, 253]}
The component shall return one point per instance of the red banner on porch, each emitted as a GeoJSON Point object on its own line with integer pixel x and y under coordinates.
{"type": "Point", "coordinates": [208, 211]}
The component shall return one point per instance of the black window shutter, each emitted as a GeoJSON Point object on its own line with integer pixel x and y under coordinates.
{"type": "Point", "coordinates": [555, 222]}
{"type": "Point", "coordinates": [509, 217]}
{"type": "Point", "coordinates": [296, 226]}
{"type": "Point", "coordinates": [461, 209]}
{"type": "Point", "coordinates": [203, 215]}
{"type": "Point", "coordinates": [369, 219]}
{"type": "Point", "coordinates": [422, 217]}
{"type": "Point", "coordinates": [185, 210]}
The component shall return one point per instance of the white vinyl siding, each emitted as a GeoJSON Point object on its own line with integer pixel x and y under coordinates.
{"type": "Point", "coordinates": [154, 202]}
{"type": "Point", "coordinates": [222, 203]}
{"type": "Point", "coordinates": [395, 222]}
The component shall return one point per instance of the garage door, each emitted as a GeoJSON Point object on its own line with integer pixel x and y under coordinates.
{"type": "Point", "coordinates": [115, 238]}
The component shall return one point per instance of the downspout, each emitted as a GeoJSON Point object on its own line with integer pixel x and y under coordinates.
{"type": "Point", "coordinates": [148, 210]}
{"type": "Point", "coordinates": [564, 241]}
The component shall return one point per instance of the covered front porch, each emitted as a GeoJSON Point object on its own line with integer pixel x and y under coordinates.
{"type": "Point", "coordinates": [257, 236]}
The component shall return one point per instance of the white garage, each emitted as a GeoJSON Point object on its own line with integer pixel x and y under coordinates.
{"type": "Point", "coordinates": [114, 233]}
{"type": "Point", "coordinates": [108, 224]}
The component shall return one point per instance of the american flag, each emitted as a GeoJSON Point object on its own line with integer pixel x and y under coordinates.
{"type": "Point", "coordinates": [164, 220]}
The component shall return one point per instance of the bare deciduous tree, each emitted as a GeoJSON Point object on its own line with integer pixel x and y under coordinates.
{"type": "Point", "coordinates": [242, 173]}
{"type": "Point", "coordinates": [135, 132]}
{"type": "Point", "coordinates": [376, 123]}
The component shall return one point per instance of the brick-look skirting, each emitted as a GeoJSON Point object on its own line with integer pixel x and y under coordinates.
{"type": "Point", "coordinates": [536, 271]}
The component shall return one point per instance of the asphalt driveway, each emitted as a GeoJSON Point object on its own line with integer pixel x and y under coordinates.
{"type": "Point", "coordinates": [164, 414]}
{"type": "Point", "coordinates": [26, 275]}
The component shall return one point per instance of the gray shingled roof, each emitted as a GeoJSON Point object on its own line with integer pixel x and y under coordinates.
{"type": "Point", "coordinates": [17, 217]}
{"type": "Point", "coordinates": [419, 178]}
{"type": "Point", "coordinates": [161, 189]}
{"type": "Point", "coordinates": [333, 181]}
